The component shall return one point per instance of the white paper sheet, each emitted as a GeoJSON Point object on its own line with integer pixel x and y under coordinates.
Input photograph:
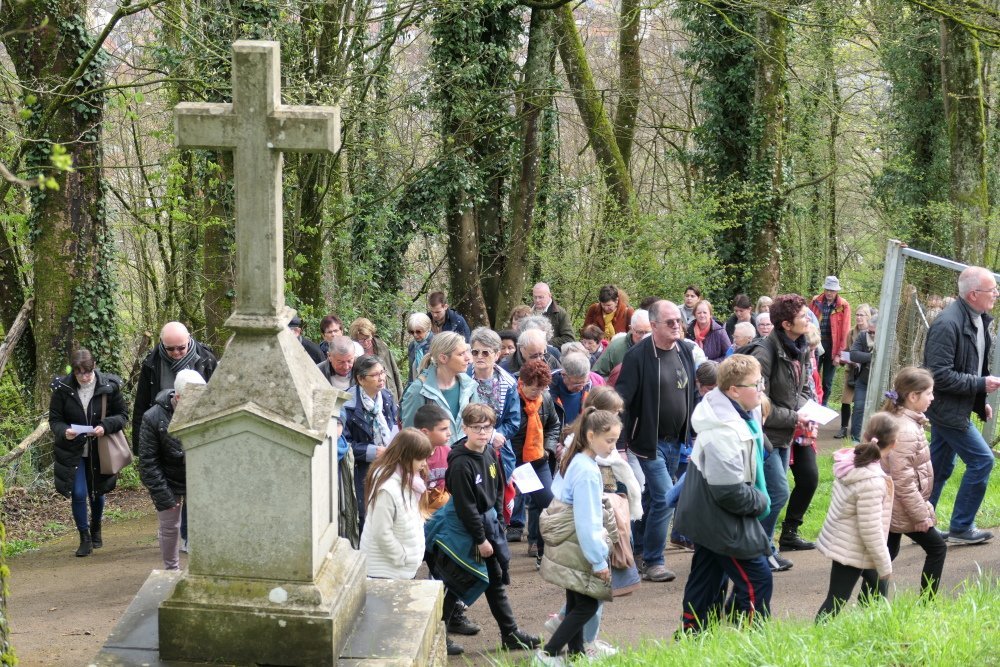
{"type": "Point", "coordinates": [845, 356]}
{"type": "Point", "coordinates": [82, 429]}
{"type": "Point", "coordinates": [525, 479]}
{"type": "Point", "coordinates": [813, 411]}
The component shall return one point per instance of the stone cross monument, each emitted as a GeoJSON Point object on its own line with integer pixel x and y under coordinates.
{"type": "Point", "coordinates": [269, 580]}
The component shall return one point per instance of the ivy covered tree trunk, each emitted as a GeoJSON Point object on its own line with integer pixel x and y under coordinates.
{"type": "Point", "coordinates": [73, 277]}
{"type": "Point", "coordinates": [536, 97]}
{"type": "Point", "coordinates": [768, 156]}
{"type": "Point", "coordinates": [621, 202]}
{"type": "Point", "coordinates": [630, 76]}
{"type": "Point", "coordinates": [962, 88]}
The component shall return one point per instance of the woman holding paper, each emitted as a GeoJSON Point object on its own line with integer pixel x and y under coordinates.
{"type": "Point", "coordinates": [535, 442]}
{"type": "Point", "coordinates": [85, 405]}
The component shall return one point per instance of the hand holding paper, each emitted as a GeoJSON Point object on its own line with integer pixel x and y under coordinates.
{"type": "Point", "coordinates": [813, 411]}
{"type": "Point", "coordinates": [82, 429]}
{"type": "Point", "coordinates": [525, 479]}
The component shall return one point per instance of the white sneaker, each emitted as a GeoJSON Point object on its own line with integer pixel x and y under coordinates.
{"type": "Point", "coordinates": [599, 649]}
{"type": "Point", "coordinates": [543, 659]}
{"type": "Point", "coordinates": [553, 623]}
{"type": "Point", "coordinates": [185, 548]}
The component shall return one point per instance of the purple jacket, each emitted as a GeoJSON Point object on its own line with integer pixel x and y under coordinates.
{"type": "Point", "coordinates": [716, 342]}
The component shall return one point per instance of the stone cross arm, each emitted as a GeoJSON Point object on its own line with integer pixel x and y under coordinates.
{"type": "Point", "coordinates": [289, 129]}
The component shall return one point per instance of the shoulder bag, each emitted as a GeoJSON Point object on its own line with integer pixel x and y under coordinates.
{"type": "Point", "coordinates": [112, 448]}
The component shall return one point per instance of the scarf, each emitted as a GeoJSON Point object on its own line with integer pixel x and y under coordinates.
{"type": "Point", "coordinates": [488, 391]}
{"type": "Point", "coordinates": [534, 434]}
{"type": "Point", "coordinates": [609, 326]}
{"type": "Point", "coordinates": [187, 361]}
{"type": "Point", "coordinates": [381, 435]}
{"type": "Point", "coordinates": [701, 334]}
{"type": "Point", "coordinates": [86, 392]}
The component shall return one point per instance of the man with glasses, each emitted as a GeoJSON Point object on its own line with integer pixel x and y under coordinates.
{"type": "Point", "coordinates": [177, 351]}
{"type": "Point", "coordinates": [958, 355]}
{"type": "Point", "coordinates": [657, 384]}
{"type": "Point", "coordinates": [638, 329]}
{"type": "Point", "coordinates": [783, 357]}
{"type": "Point", "coordinates": [531, 344]}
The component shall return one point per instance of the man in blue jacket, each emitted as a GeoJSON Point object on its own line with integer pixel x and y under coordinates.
{"type": "Point", "coordinates": [445, 318]}
{"type": "Point", "coordinates": [658, 388]}
{"type": "Point", "coordinates": [958, 355]}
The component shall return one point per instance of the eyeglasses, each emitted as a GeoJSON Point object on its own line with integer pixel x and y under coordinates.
{"type": "Point", "coordinates": [537, 355]}
{"type": "Point", "coordinates": [994, 291]}
{"type": "Point", "coordinates": [483, 428]}
{"type": "Point", "coordinates": [642, 332]}
{"type": "Point", "coordinates": [481, 353]}
{"type": "Point", "coordinates": [176, 348]}
{"type": "Point", "coordinates": [414, 332]}
{"type": "Point", "coordinates": [380, 374]}
{"type": "Point", "coordinates": [759, 385]}
{"type": "Point", "coordinates": [670, 323]}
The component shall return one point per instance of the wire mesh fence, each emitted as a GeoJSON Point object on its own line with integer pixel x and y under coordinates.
{"type": "Point", "coordinates": [916, 287]}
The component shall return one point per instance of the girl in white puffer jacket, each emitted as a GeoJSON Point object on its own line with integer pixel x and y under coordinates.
{"type": "Point", "coordinates": [857, 523]}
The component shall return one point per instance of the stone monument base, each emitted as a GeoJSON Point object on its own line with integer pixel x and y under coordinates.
{"type": "Point", "coordinates": [398, 625]}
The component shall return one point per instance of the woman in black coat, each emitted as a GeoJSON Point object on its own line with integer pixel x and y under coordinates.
{"type": "Point", "coordinates": [78, 399]}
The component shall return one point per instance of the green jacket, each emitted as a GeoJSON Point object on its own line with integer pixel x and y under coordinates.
{"type": "Point", "coordinates": [564, 563]}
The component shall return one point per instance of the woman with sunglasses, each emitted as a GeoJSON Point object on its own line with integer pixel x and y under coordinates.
{"type": "Point", "coordinates": [85, 397]}
{"type": "Point", "coordinates": [498, 389]}
{"type": "Point", "coordinates": [418, 325]}
{"type": "Point", "coordinates": [370, 421]}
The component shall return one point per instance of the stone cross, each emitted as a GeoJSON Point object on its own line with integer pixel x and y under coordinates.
{"type": "Point", "coordinates": [258, 128]}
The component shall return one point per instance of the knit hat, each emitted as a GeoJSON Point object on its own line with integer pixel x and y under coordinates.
{"type": "Point", "coordinates": [296, 321]}
{"type": "Point", "coordinates": [831, 283]}
{"type": "Point", "coordinates": [186, 377]}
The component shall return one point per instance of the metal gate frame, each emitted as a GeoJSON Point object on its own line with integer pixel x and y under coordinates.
{"type": "Point", "coordinates": [896, 255]}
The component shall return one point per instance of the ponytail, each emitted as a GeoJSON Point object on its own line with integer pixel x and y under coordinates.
{"type": "Point", "coordinates": [591, 419]}
{"type": "Point", "coordinates": [908, 380]}
{"type": "Point", "coordinates": [880, 434]}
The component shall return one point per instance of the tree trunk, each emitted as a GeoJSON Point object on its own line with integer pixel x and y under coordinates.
{"type": "Point", "coordinates": [466, 293]}
{"type": "Point", "coordinates": [769, 108]}
{"type": "Point", "coordinates": [629, 77]}
{"type": "Point", "coordinates": [73, 306]}
{"type": "Point", "coordinates": [536, 97]}
{"type": "Point", "coordinates": [962, 88]}
{"type": "Point", "coordinates": [624, 211]}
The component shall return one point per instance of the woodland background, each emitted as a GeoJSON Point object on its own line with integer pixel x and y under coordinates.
{"type": "Point", "coordinates": [742, 145]}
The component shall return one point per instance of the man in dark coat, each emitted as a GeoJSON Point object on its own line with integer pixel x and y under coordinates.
{"type": "Point", "coordinates": [657, 385]}
{"type": "Point", "coordinates": [311, 348]}
{"type": "Point", "coordinates": [958, 355]}
{"type": "Point", "coordinates": [445, 318]}
{"type": "Point", "coordinates": [177, 351]}
{"type": "Point", "coordinates": [545, 305]}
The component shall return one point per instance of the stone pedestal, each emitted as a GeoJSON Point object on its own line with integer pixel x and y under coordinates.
{"type": "Point", "coordinates": [269, 579]}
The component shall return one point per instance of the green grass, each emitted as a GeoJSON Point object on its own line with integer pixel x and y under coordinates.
{"type": "Point", "coordinates": [960, 631]}
{"type": "Point", "coordinates": [115, 514]}
{"type": "Point", "coordinates": [988, 516]}
{"type": "Point", "coordinates": [19, 546]}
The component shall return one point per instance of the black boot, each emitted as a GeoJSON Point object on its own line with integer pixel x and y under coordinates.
{"type": "Point", "coordinates": [95, 534]}
{"type": "Point", "coordinates": [790, 540]}
{"type": "Point", "coordinates": [86, 546]}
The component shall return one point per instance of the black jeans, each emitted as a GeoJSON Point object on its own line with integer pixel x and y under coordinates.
{"type": "Point", "coordinates": [842, 581]}
{"type": "Point", "coordinates": [827, 370]}
{"type": "Point", "coordinates": [580, 608]}
{"type": "Point", "coordinates": [496, 597]}
{"type": "Point", "coordinates": [933, 544]}
{"type": "Point", "coordinates": [806, 476]}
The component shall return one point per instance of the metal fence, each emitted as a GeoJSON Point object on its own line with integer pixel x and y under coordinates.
{"type": "Point", "coordinates": [916, 286]}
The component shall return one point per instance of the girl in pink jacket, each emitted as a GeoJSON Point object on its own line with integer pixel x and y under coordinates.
{"type": "Point", "coordinates": [857, 523]}
{"type": "Point", "coordinates": [909, 464]}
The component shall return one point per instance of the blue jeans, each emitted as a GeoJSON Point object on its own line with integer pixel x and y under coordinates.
{"type": "Point", "coordinates": [858, 417]}
{"type": "Point", "coordinates": [80, 495]}
{"type": "Point", "coordinates": [978, 458]}
{"type": "Point", "coordinates": [776, 479]}
{"type": "Point", "coordinates": [650, 532]}
{"type": "Point", "coordinates": [538, 501]}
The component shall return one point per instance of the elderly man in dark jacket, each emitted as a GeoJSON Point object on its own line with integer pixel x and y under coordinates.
{"type": "Point", "coordinates": [783, 357]}
{"type": "Point", "coordinates": [177, 350]}
{"type": "Point", "coordinates": [545, 305]}
{"type": "Point", "coordinates": [657, 385]}
{"type": "Point", "coordinates": [958, 355]}
{"type": "Point", "coordinates": [162, 468]}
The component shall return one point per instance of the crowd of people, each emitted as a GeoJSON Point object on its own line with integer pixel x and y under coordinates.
{"type": "Point", "coordinates": [650, 425]}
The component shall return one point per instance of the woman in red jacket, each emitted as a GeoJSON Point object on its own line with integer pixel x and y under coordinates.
{"type": "Point", "coordinates": [611, 313]}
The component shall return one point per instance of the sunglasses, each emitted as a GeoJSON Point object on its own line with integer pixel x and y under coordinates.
{"type": "Point", "coordinates": [176, 348]}
{"type": "Point", "coordinates": [481, 353]}
{"type": "Point", "coordinates": [672, 323]}
{"type": "Point", "coordinates": [414, 332]}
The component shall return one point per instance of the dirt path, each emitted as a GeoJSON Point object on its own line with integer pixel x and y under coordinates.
{"type": "Point", "coordinates": [62, 608]}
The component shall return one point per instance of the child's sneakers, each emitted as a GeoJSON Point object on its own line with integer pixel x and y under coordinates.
{"type": "Point", "coordinates": [599, 649]}
{"type": "Point", "coordinates": [543, 659]}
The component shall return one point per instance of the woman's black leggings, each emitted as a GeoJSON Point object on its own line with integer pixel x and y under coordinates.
{"type": "Point", "coordinates": [842, 581]}
{"type": "Point", "coordinates": [580, 608]}
{"type": "Point", "coordinates": [936, 549]}
{"type": "Point", "coordinates": [806, 476]}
